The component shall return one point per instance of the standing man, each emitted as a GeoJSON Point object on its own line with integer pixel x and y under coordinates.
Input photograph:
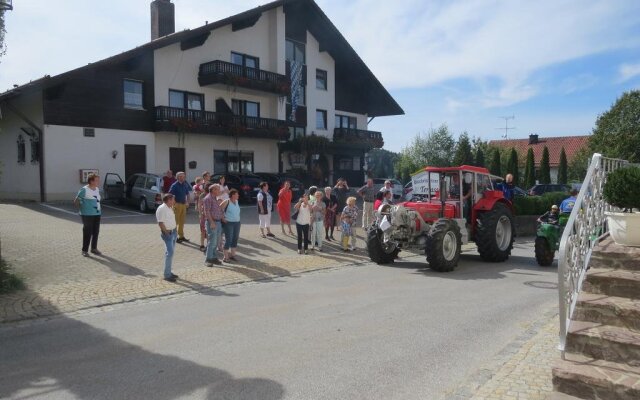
{"type": "Point", "coordinates": [214, 216]}
{"type": "Point", "coordinates": [88, 202]}
{"type": "Point", "coordinates": [167, 181]}
{"type": "Point", "coordinates": [167, 223]}
{"type": "Point", "coordinates": [386, 187]}
{"type": "Point", "coordinates": [507, 187]}
{"type": "Point", "coordinates": [368, 194]}
{"type": "Point", "coordinates": [180, 190]}
{"type": "Point", "coordinates": [567, 204]}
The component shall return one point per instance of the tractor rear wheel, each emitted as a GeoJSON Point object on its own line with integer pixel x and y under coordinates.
{"type": "Point", "coordinates": [495, 233]}
{"type": "Point", "coordinates": [444, 243]}
{"type": "Point", "coordinates": [379, 252]}
{"type": "Point", "coordinates": [544, 254]}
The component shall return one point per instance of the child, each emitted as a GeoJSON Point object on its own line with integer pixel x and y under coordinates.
{"type": "Point", "coordinates": [349, 217]}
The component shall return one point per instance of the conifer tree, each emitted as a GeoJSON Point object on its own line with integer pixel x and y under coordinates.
{"type": "Point", "coordinates": [563, 167]}
{"type": "Point", "coordinates": [530, 170]}
{"type": "Point", "coordinates": [545, 168]}
{"type": "Point", "coordinates": [512, 167]}
{"type": "Point", "coordinates": [496, 168]}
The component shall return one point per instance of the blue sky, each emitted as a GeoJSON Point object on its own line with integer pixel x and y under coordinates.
{"type": "Point", "coordinates": [554, 65]}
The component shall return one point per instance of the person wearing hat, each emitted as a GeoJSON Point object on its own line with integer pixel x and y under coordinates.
{"type": "Point", "coordinates": [550, 217]}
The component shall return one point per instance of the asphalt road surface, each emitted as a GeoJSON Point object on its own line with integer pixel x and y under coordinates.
{"type": "Point", "coordinates": [356, 332]}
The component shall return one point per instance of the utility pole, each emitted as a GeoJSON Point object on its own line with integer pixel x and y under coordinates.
{"type": "Point", "coordinates": [506, 126]}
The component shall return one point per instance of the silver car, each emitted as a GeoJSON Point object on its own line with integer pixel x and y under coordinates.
{"type": "Point", "coordinates": [143, 191]}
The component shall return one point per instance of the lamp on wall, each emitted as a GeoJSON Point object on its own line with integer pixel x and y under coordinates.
{"type": "Point", "coordinates": [114, 154]}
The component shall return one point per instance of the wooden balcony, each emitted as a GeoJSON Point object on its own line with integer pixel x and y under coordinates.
{"type": "Point", "coordinates": [226, 73]}
{"type": "Point", "coordinates": [358, 138]}
{"type": "Point", "coordinates": [173, 119]}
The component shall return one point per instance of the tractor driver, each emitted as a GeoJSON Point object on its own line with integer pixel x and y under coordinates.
{"type": "Point", "coordinates": [550, 217]}
{"type": "Point", "coordinates": [454, 191]}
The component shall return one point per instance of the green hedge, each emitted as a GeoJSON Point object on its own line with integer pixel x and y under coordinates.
{"type": "Point", "coordinates": [538, 205]}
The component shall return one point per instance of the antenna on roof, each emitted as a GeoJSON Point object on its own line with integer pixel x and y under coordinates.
{"type": "Point", "coordinates": [506, 126]}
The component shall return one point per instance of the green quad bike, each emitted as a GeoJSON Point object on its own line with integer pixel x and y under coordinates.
{"type": "Point", "coordinates": [548, 240]}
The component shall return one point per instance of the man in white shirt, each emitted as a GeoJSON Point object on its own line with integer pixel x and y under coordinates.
{"type": "Point", "coordinates": [167, 223]}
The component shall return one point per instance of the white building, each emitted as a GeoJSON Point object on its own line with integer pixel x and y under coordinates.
{"type": "Point", "coordinates": [214, 98]}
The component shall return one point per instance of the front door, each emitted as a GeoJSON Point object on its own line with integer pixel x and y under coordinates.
{"type": "Point", "coordinates": [135, 159]}
{"type": "Point", "coordinates": [177, 159]}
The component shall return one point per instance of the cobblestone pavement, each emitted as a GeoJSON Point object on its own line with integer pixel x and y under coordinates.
{"type": "Point", "coordinates": [42, 244]}
{"type": "Point", "coordinates": [522, 370]}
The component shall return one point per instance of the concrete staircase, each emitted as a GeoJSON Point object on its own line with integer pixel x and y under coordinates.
{"type": "Point", "coordinates": [602, 352]}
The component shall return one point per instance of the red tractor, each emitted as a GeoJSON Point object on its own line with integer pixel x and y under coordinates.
{"type": "Point", "coordinates": [459, 204]}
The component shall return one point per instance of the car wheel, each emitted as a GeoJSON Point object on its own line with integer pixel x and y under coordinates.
{"type": "Point", "coordinates": [143, 205]}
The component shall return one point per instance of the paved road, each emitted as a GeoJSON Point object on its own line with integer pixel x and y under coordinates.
{"type": "Point", "coordinates": [359, 332]}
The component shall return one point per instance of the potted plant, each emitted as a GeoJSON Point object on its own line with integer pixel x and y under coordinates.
{"type": "Point", "coordinates": [622, 190]}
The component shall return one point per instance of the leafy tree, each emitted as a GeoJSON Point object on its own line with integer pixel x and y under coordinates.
{"type": "Point", "coordinates": [579, 165]}
{"type": "Point", "coordinates": [562, 168]}
{"type": "Point", "coordinates": [622, 189]}
{"type": "Point", "coordinates": [433, 149]}
{"type": "Point", "coordinates": [545, 168]}
{"type": "Point", "coordinates": [530, 170]}
{"type": "Point", "coordinates": [512, 166]}
{"type": "Point", "coordinates": [463, 154]}
{"type": "Point", "coordinates": [617, 131]}
{"type": "Point", "coordinates": [382, 163]}
{"type": "Point", "coordinates": [495, 167]}
{"type": "Point", "coordinates": [479, 158]}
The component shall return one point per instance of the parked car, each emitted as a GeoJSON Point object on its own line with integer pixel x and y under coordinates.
{"type": "Point", "coordinates": [396, 186]}
{"type": "Point", "coordinates": [248, 185]}
{"type": "Point", "coordinates": [297, 187]}
{"type": "Point", "coordinates": [143, 190]}
{"type": "Point", "coordinates": [112, 188]}
{"type": "Point", "coordinates": [540, 189]}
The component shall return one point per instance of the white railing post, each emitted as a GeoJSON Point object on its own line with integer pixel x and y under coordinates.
{"type": "Point", "coordinates": [585, 227]}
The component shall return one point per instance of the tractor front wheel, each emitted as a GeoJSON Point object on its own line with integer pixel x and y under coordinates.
{"type": "Point", "coordinates": [495, 233]}
{"type": "Point", "coordinates": [544, 254]}
{"type": "Point", "coordinates": [379, 252]}
{"type": "Point", "coordinates": [444, 243]}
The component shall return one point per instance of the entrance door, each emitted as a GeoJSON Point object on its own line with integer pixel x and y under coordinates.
{"type": "Point", "coordinates": [135, 159]}
{"type": "Point", "coordinates": [177, 159]}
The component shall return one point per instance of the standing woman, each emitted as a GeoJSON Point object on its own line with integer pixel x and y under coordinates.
{"type": "Point", "coordinates": [198, 191]}
{"type": "Point", "coordinates": [88, 202]}
{"type": "Point", "coordinates": [330, 216]}
{"type": "Point", "coordinates": [318, 211]}
{"type": "Point", "coordinates": [302, 222]}
{"type": "Point", "coordinates": [341, 190]}
{"type": "Point", "coordinates": [265, 203]}
{"type": "Point", "coordinates": [284, 206]}
{"type": "Point", "coordinates": [231, 225]}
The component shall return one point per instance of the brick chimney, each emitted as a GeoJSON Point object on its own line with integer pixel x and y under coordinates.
{"type": "Point", "coordinates": [162, 18]}
{"type": "Point", "coordinates": [533, 139]}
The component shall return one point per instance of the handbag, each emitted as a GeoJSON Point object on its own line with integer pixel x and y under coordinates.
{"type": "Point", "coordinates": [295, 214]}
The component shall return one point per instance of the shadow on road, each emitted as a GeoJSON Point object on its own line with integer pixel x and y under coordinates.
{"type": "Point", "coordinates": [119, 267]}
{"type": "Point", "coordinates": [472, 267]}
{"type": "Point", "coordinates": [64, 357]}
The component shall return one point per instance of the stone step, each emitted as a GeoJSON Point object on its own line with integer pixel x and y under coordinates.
{"type": "Point", "coordinates": [612, 282]}
{"type": "Point", "coordinates": [561, 396]}
{"type": "Point", "coordinates": [587, 378]}
{"type": "Point", "coordinates": [607, 254]}
{"type": "Point", "coordinates": [604, 342]}
{"type": "Point", "coordinates": [608, 310]}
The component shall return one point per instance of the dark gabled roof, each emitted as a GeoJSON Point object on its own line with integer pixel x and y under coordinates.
{"type": "Point", "coordinates": [375, 100]}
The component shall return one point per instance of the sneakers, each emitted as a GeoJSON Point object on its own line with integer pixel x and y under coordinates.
{"type": "Point", "coordinates": [271, 234]}
{"type": "Point", "coordinates": [85, 254]}
{"type": "Point", "coordinates": [171, 278]}
{"type": "Point", "coordinates": [96, 252]}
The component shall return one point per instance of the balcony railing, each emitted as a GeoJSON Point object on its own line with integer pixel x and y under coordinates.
{"type": "Point", "coordinates": [6, 5]}
{"type": "Point", "coordinates": [358, 138]}
{"type": "Point", "coordinates": [236, 75]}
{"type": "Point", "coordinates": [193, 121]}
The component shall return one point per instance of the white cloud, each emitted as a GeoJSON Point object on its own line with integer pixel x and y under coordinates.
{"type": "Point", "coordinates": [628, 71]}
{"type": "Point", "coordinates": [577, 83]}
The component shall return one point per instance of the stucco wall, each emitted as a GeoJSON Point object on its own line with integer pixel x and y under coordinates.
{"type": "Point", "coordinates": [19, 181]}
{"type": "Point", "coordinates": [317, 98]}
{"type": "Point", "coordinates": [178, 70]}
{"type": "Point", "coordinates": [200, 148]}
{"type": "Point", "coordinates": [67, 151]}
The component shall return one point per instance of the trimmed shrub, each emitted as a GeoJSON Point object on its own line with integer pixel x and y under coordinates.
{"type": "Point", "coordinates": [538, 205]}
{"type": "Point", "coordinates": [622, 188]}
{"type": "Point", "coordinates": [8, 281]}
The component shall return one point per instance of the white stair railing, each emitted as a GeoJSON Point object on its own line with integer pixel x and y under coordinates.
{"type": "Point", "coordinates": [585, 227]}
